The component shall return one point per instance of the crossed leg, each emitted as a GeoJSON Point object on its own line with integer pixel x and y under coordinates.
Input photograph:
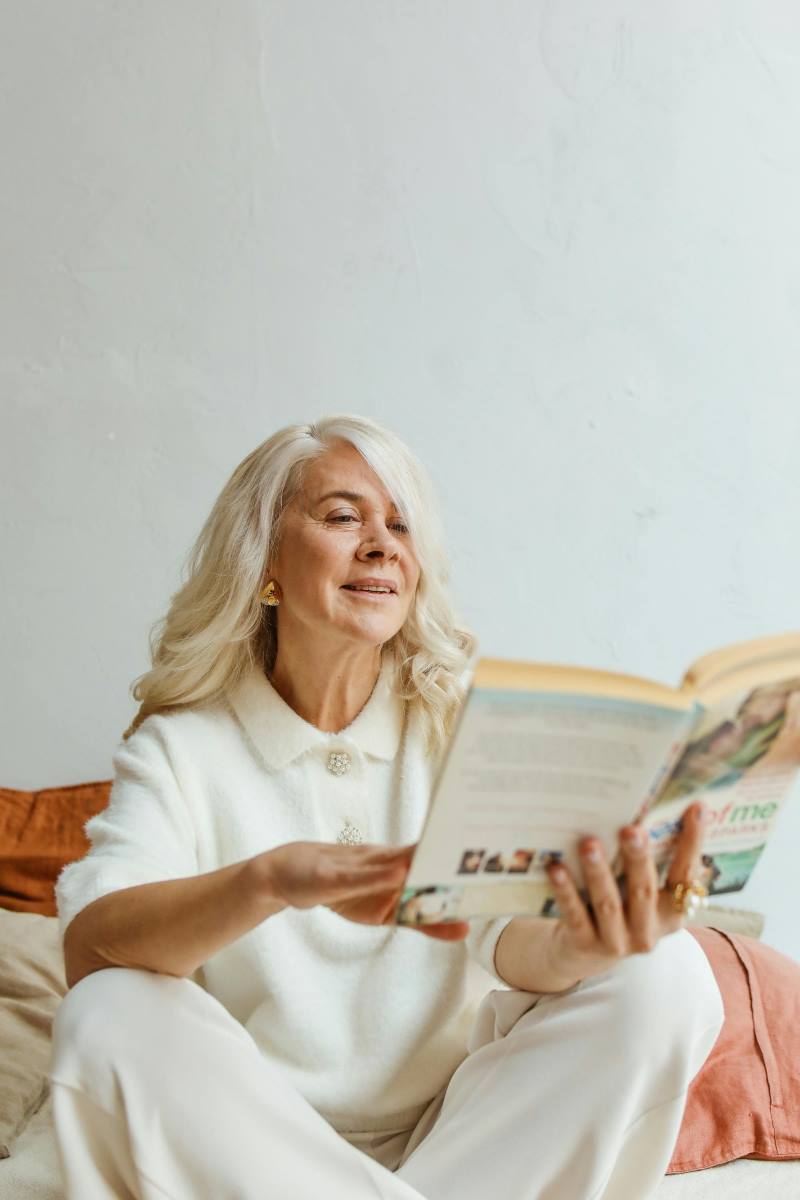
{"type": "Point", "coordinates": [577, 1095]}
{"type": "Point", "coordinates": [160, 1094]}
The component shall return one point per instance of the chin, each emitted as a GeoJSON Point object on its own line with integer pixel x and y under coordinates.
{"type": "Point", "coordinates": [374, 634]}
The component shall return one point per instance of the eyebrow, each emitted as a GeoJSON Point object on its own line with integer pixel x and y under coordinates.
{"type": "Point", "coordinates": [345, 495]}
{"type": "Point", "coordinates": [356, 497]}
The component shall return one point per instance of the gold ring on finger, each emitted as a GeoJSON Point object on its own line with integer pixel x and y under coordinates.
{"type": "Point", "coordinates": [688, 897]}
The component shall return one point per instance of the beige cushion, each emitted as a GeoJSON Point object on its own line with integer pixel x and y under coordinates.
{"type": "Point", "coordinates": [32, 983]}
{"type": "Point", "coordinates": [730, 920]}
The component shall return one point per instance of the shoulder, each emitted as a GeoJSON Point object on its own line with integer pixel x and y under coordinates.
{"type": "Point", "coordinates": [465, 676]}
{"type": "Point", "coordinates": [178, 734]}
{"type": "Point", "coordinates": [417, 737]}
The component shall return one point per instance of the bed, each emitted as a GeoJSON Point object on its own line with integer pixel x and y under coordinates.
{"type": "Point", "coordinates": [40, 831]}
{"type": "Point", "coordinates": [32, 1174]}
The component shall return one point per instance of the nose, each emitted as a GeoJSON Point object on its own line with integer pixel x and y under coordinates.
{"type": "Point", "coordinates": [378, 543]}
{"type": "Point", "coordinates": [380, 552]}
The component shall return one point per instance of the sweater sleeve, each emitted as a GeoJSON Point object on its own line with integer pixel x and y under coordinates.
{"type": "Point", "coordinates": [145, 833]}
{"type": "Point", "coordinates": [481, 942]}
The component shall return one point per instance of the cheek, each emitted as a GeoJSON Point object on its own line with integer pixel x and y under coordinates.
{"type": "Point", "coordinates": [316, 570]}
{"type": "Point", "coordinates": [326, 558]}
{"type": "Point", "coordinates": [412, 570]}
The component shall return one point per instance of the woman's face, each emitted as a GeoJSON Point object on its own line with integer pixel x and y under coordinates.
{"type": "Point", "coordinates": [726, 740]}
{"type": "Point", "coordinates": [762, 708]}
{"type": "Point", "coordinates": [329, 540]}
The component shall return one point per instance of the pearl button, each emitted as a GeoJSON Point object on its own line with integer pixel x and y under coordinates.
{"type": "Point", "coordinates": [350, 835]}
{"type": "Point", "coordinates": [338, 762]}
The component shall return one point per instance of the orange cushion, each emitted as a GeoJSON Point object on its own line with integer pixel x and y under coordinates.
{"type": "Point", "coordinates": [40, 832]}
{"type": "Point", "coordinates": [745, 1100]}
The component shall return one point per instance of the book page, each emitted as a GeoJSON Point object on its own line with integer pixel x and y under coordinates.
{"type": "Point", "coordinates": [508, 674]}
{"type": "Point", "coordinates": [743, 664]}
{"type": "Point", "coordinates": [743, 761]}
{"type": "Point", "coordinates": [528, 774]}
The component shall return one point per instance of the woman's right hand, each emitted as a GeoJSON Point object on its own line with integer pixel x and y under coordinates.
{"type": "Point", "coordinates": [362, 883]}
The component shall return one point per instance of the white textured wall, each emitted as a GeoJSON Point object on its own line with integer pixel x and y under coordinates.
{"type": "Point", "coordinates": [553, 244]}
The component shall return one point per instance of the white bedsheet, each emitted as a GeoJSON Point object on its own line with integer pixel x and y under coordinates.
{"type": "Point", "coordinates": [745, 1179]}
{"type": "Point", "coordinates": [31, 1173]}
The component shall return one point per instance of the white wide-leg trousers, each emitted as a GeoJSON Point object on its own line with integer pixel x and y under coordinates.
{"type": "Point", "coordinates": [578, 1095]}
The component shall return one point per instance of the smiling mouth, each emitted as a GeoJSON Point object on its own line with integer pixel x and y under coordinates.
{"type": "Point", "coordinates": [369, 595]}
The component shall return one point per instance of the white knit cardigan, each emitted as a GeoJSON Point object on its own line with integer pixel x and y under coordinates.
{"type": "Point", "coordinates": [368, 1022]}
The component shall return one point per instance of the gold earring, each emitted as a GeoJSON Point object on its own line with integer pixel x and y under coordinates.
{"type": "Point", "coordinates": [267, 594]}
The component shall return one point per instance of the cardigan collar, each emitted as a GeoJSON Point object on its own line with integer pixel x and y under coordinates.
{"type": "Point", "coordinates": [280, 734]}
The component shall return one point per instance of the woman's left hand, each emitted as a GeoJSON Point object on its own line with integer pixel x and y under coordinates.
{"type": "Point", "coordinates": [583, 943]}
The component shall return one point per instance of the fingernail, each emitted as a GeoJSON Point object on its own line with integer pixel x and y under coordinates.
{"type": "Point", "coordinates": [591, 852]}
{"type": "Point", "coordinates": [634, 839]}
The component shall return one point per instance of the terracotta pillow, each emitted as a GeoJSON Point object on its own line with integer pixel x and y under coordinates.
{"type": "Point", "coordinates": [40, 832]}
{"type": "Point", "coordinates": [745, 1100]}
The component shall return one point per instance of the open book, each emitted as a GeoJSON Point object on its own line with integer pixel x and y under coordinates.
{"type": "Point", "coordinates": [543, 755]}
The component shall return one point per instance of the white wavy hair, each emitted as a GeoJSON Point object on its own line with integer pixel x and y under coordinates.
{"type": "Point", "coordinates": [216, 626]}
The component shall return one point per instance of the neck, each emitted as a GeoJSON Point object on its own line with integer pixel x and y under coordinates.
{"type": "Point", "coordinates": [327, 691]}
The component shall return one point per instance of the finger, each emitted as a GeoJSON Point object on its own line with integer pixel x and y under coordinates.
{"type": "Point", "coordinates": [641, 887]}
{"type": "Point", "coordinates": [686, 860]}
{"type": "Point", "coordinates": [453, 931]}
{"type": "Point", "coordinates": [573, 911]}
{"type": "Point", "coordinates": [604, 896]}
{"type": "Point", "coordinates": [371, 853]}
{"type": "Point", "coordinates": [387, 863]}
{"type": "Point", "coordinates": [402, 855]}
{"type": "Point", "coordinates": [368, 878]}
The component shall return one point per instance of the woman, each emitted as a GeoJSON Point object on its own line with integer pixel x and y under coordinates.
{"type": "Point", "coordinates": [243, 1018]}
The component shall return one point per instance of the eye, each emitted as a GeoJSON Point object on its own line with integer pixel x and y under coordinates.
{"type": "Point", "coordinates": [343, 517]}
